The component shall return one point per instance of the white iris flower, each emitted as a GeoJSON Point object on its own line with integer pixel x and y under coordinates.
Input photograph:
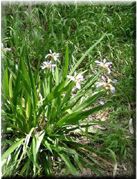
{"type": "Point", "coordinates": [104, 64]}
{"type": "Point", "coordinates": [48, 65]}
{"type": "Point", "coordinates": [107, 84]}
{"type": "Point", "coordinates": [76, 78]}
{"type": "Point", "coordinates": [53, 55]}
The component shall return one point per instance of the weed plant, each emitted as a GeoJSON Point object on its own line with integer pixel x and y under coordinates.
{"type": "Point", "coordinates": [60, 63]}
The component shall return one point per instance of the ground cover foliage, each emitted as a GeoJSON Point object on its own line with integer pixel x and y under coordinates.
{"type": "Point", "coordinates": [68, 89]}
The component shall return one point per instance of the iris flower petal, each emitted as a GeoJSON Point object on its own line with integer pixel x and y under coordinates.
{"type": "Point", "coordinates": [97, 61]}
{"type": "Point", "coordinates": [101, 102]}
{"type": "Point", "coordinates": [53, 55]}
{"type": "Point", "coordinates": [78, 85]}
{"type": "Point", "coordinates": [70, 77]}
{"type": "Point", "coordinates": [99, 85]}
{"type": "Point", "coordinates": [112, 89]}
{"type": "Point", "coordinates": [108, 63]}
{"type": "Point", "coordinates": [9, 49]}
{"type": "Point", "coordinates": [76, 78]}
{"type": "Point", "coordinates": [48, 65]}
{"type": "Point", "coordinates": [104, 64]}
{"type": "Point", "coordinates": [104, 61]}
{"type": "Point", "coordinates": [103, 78]}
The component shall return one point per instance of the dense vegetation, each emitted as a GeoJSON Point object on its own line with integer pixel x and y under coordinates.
{"type": "Point", "coordinates": [65, 108]}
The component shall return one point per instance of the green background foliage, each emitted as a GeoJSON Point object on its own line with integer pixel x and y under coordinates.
{"type": "Point", "coordinates": [35, 135]}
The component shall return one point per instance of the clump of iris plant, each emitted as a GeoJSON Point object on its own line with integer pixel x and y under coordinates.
{"type": "Point", "coordinates": [50, 109]}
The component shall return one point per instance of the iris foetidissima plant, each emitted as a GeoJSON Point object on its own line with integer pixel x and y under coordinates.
{"type": "Point", "coordinates": [38, 116]}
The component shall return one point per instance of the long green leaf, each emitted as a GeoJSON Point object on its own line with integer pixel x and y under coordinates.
{"type": "Point", "coordinates": [24, 71]}
{"type": "Point", "coordinates": [69, 164]}
{"type": "Point", "coordinates": [55, 93]}
{"type": "Point", "coordinates": [73, 101]}
{"type": "Point", "coordinates": [32, 81]}
{"type": "Point", "coordinates": [88, 102]}
{"type": "Point", "coordinates": [28, 109]}
{"type": "Point", "coordinates": [75, 155]}
{"type": "Point", "coordinates": [66, 63]}
{"type": "Point", "coordinates": [82, 146]}
{"type": "Point", "coordinates": [34, 154]}
{"type": "Point", "coordinates": [47, 163]}
{"type": "Point", "coordinates": [103, 123]}
{"type": "Point", "coordinates": [65, 99]}
{"type": "Point", "coordinates": [57, 76]}
{"type": "Point", "coordinates": [84, 114]}
{"type": "Point", "coordinates": [10, 88]}
{"type": "Point", "coordinates": [76, 116]}
{"type": "Point", "coordinates": [11, 149]}
{"type": "Point", "coordinates": [17, 84]}
{"type": "Point", "coordinates": [86, 53]}
{"type": "Point", "coordinates": [87, 164]}
{"type": "Point", "coordinates": [22, 171]}
{"type": "Point", "coordinates": [90, 82]}
{"type": "Point", "coordinates": [47, 145]}
{"type": "Point", "coordinates": [5, 83]}
{"type": "Point", "coordinates": [39, 137]}
{"type": "Point", "coordinates": [25, 146]}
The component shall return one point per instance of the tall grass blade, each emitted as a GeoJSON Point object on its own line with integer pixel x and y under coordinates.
{"type": "Point", "coordinates": [76, 116]}
{"type": "Point", "coordinates": [66, 63]}
{"type": "Point", "coordinates": [69, 164]}
{"type": "Point", "coordinates": [11, 149]}
{"type": "Point", "coordinates": [86, 53]}
{"type": "Point", "coordinates": [5, 83]}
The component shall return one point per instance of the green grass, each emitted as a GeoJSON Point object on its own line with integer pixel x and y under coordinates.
{"type": "Point", "coordinates": [81, 34]}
